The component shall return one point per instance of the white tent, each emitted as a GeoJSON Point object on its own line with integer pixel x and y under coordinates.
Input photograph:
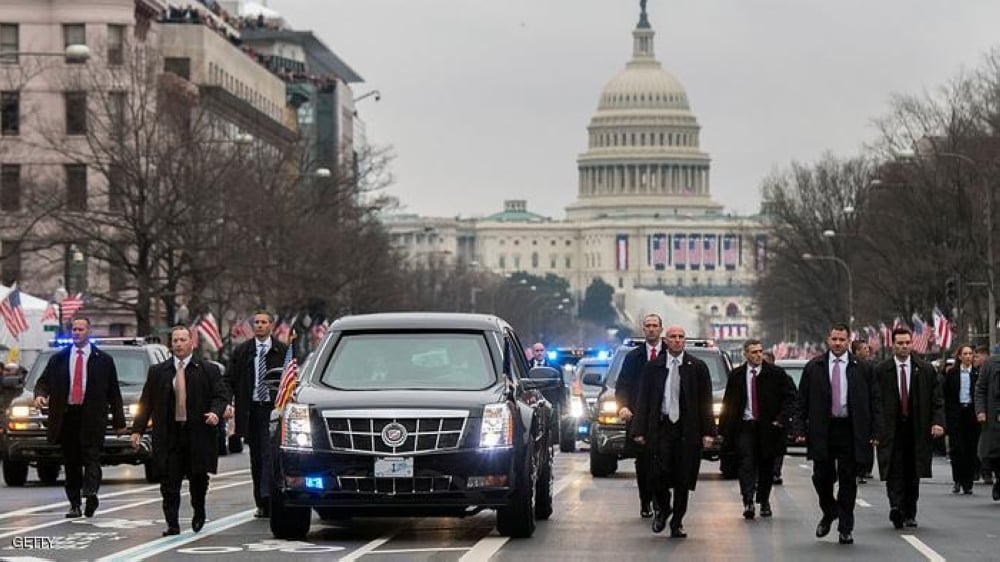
{"type": "Point", "coordinates": [35, 338]}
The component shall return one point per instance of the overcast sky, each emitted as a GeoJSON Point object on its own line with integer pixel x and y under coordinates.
{"type": "Point", "coordinates": [489, 100]}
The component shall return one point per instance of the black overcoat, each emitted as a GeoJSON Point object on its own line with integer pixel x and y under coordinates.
{"type": "Point", "coordinates": [926, 409]}
{"type": "Point", "coordinates": [101, 395]}
{"type": "Point", "coordinates": [776, 393]}
{"type": "Point", "coordinates": [241, 376]}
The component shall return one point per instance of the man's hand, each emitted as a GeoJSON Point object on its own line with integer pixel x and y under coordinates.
{"type": "Point", "coordinates": [981, 417]}
{"type": "Point", "coordinates": [937, 431]}
{"type": "Point", "coordinates": [211, 418]}
{"type": "Point", "coordinates": [229, 412]}
{"type": "Point", "coordinates": [639, 439]}
{"type": "Point", "coordinates": [707, 441]}
{"type": "Point", "coordinates": [42, 401]}
{"type": "Point", "coordinates": [625, 414]}
{"type": "Point", "coordinates": [136, 438]}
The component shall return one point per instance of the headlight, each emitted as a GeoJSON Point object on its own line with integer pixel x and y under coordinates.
{"type": "Point", "coordinates": [608, 413]}
{"type": "Point", "coordinates": [498, 427]}
{"type": "Point", "coordinates": [20, 412]}
{"type": "Point", "coordinates": [717, 408]}
{"type": "Point", "coordinates": [609, 407]}
{"type": "Point", "coordinates": [296, 430]}
{"type": "Point", "coordinates": [133, 409]}
{"type": "Point", "coordinates": [576, 407]}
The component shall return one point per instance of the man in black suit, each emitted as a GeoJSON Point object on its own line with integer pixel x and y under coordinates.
{"type": "Point", "coordinates": [758, 405]}
{"type": "Point", "coordinates": [184, 398]}
{"type": "Point", "coordinates": [254, 400]}
{"type": "Point", "coordinates": [80, 386]}
{"type": "Point", "coordinates": [913, 413]}
{"type": "Point", "coordinates": [627, 397]}
{"type": "Point", "coordinates": [863, 352]}
{"type": "Point", "coordinates": [960, 419]}
{"type": "Point", "coordinates": [538, 358]}
{"type": "Point", "coordinates": [674, 419]}
{"type": "Point", "coordinates": [840, 412]}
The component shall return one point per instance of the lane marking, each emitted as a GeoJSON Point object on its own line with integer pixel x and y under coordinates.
{"type": "Point", "coordinates": [862, 503]}
{"type": "Point", "coordinates": [409, 550]}
{"type": "Point", "coordinates": [805, 466]}
{"type": "Point", "coordinates": [369, 547]}
{"type": "Point", "coordinates": [63, 520]}
{"type": "Point", "coordinates": [922, 548]}
{"type": "Point", "coordinates": [102, 497]}
{"type": "Point", "coordinates": [152, 548]}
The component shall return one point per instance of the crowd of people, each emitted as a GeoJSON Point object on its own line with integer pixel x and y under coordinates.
{"type": "Point", "coordinates": [183, 401]}
{"type": "Point", "coordinates": [850, 412]}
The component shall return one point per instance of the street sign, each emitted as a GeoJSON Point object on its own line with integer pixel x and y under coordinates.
{"type": "Point", "coordinates": [50, 328]}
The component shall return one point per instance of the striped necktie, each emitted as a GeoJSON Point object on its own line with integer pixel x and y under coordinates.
{"type": "Point", "coordinates": [260, 390]}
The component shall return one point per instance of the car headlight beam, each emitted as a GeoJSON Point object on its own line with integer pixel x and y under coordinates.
{"type": "Point", "coordinates": [296, 429]}
{"type": "Point", "coordinates": [18, 412]}
{"type": "Point", "coordinates": [497, 429]}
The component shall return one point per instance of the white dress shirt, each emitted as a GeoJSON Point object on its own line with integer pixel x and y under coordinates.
{"type": "Point", "coordinates": [667, 384]}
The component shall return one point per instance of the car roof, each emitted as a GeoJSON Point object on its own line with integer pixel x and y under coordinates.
{"type": "Point", "coordinates": [419, 321]}
{"type": "Point", "coordinates": [590, 361]}
{"type": "Point", "coordinates": [791, 362]}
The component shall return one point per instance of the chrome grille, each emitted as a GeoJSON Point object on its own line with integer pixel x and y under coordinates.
{"type": "Point", "coordinates": [427, 431]}
{"type": "Point", "coordinates": [394, 486]}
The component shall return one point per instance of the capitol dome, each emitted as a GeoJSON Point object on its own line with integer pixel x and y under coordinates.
{"type": "Point", "coordinates": [643, 153]}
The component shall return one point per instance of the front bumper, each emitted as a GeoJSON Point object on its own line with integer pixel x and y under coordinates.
{"type": "Point", "coordinates": [451, 481]}
{"type": "Point", "coordinates": [609, 439]}
{"type": "Point", "coordinates": [34, 447]}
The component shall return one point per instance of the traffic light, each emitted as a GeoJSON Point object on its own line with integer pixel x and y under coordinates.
{"type": "Point", "coordinates": [951, 289]}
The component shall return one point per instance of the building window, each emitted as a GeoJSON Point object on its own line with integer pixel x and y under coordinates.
{"type": "Point", "coordinates": [9, 44]}
{"type": "Point", "coordinates": [116, 188]}
{"type": "Point", "coordinates": [569, 262]}
{"type": "Point", "coordinates": [569, 243]}
{"type": "Point", "coordinates": [552, 262]}
{"type": "Point", "coordinates": [10, 187]}
{"type": "Point", "coordinates": [76, 113]}
{"type": "Point", "coordinates": [10, 113]}
{"type": "Point", "coordinates": [74, 34]}
{"type": "Point", "coordinates": [116, 44]}
{"type": "Point", "coordinates": [732, 309]}
{"type": "Point", "coordinates": [503, 262]}
{"type": "Point", "coordinates": [10, 261]}
{"type": "Point", "coordinates": [534, 260]}
{"type": "Point", "coordinates": [181, 66]}
{"type": "Point", "coordinates": [76, 187]}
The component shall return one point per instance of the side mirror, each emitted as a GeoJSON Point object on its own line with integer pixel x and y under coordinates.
{"type": "Point", "coordinates": [12, 382]}
{"type": "Point", "coordinates": [542, 378]}
{"type": "Point", "coordinates": [593, 379]}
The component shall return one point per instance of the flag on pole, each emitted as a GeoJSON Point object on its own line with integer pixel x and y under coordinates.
{"type": "Point", "coordinates": [51, 313]}
{"type": "Point", "coordinates": [13, 313]}
{"type": "Point", "coordinates": [942, 329]}
{"type": "Point", "coordinates": [289, 376]}
{"type": "Point", "coordinates": [242, 330]}
{"type": "Point", "coordinates": [317, 332]}
{"type": "Point", "coordinates": [921, 334]}
{"type": "Point", "coordinates": [71, 305]}
{"type": "Point", "coordinates": [209, 329]}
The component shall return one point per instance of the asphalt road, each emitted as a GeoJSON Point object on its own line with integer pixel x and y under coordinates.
{"type": "Point", "coordinates": [594, 519]}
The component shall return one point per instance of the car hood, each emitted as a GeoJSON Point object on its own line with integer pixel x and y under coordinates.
{"type": "Point", "coordinates": [130, 395]}
{"type": "Point", "coordinates": [472, 400]}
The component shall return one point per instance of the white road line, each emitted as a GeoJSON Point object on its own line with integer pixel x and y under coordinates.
{"type": "Point", "coordinates": [152, 548]}
{"type": "Point", "coordinates": [862, 503]}
{"type": "Point", "coordinates": [61, 520]}
{"type": "Point", "coordinates": [484, 549]}
{"type": "Point", "coordinates": [409, 550]}
{"type": "Point", "coordinates": [370, 546]}
{"type": "Point", "coordinates": [805, 466]}
{"type": "Point", "coordinates": [922, 548]}
{"type": "Point", "coordinates": [156, 487]}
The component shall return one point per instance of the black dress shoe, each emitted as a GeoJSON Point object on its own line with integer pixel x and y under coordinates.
{"type": "Point", "coordinates": [823, 527]}
{"type": "Point", "coordinates": [74, 512]}
{"type": "Point", "coordinates": [748, 510]}
{"type": "Point", "coordinates": [909, 522]}
{"type": "Point", "coordinates": [198, 521]}
{"type": "Point", "coordinates": [765, 509]}
{"type": "Point", "coordinates": [862, 480]}
{"type": "Point", "coordinates": [659, 521]}
{"type": "Point", "coordinates": [777, 481]}
{"type": "Point", "coordinates": [90, 506]}
{"type": "Point", "coordinates": [955, 488]}
{"type": "Point", "coordinates": [996, 492]}
{"type": "Point", "coordinates": [845, 538]}
{"type": "Point", "coordinates": [171, 531]}
{"type": "Point", "coordinates": [967, 491]}
{"type": "Point", "coordinates": [261, 513]}
{"type": "Point", "coordinates": [896, 516]}
{"type": "Point", "coordinates": [678, 533]}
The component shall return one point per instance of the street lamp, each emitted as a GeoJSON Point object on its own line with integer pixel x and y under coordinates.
{"type": "Point", "coordinates": [77, 52]}
{"type": "Point", "coordinates": [850, 279]}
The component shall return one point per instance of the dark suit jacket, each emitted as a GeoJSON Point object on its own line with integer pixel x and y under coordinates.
{"type": "Point", "coordinates": [696, 418]}
{"type": "Point", "coordinates": [926, 409]}
{"type": "Point", "coordinates": [205, 393]}
{"type": "Point", "coordinates": [776, 394]}
{"type": "Point", "coordinates": [950, 390]}
{"type": "Point", "coordinates": [101, 394]}
{"type": "Point", "coordinates": [241, 375]}
{"type": "Point", "coordinates": [628, 383]}
{"type": "Point", "coordinates": [864, 405]}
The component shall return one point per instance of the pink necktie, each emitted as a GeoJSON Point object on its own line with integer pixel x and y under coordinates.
{"type": "Point", "coordinates": [835, 383]}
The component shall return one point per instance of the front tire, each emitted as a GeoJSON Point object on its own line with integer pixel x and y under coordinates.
{"type": "Point", "coordinates": [15, 473]}
{"type": "Point", "coordinates": [544, 485]}
{"type": "Point", "coordinates": [517, 518]}
{"type": "Point", "coordinates": [567, 437]}
{"type": "Point", "coordinates": [601, 465]}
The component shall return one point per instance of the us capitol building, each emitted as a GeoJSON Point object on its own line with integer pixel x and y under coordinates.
{"type": "Point", "coordinates": [644, 220]}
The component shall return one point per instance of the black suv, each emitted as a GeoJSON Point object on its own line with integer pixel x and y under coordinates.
{"type": "Point", "coordinates": [607, 430]}
{"type": "Point", "coordinates": [24, 441]}
{"type": "Point", "coordinates": [415, 414]}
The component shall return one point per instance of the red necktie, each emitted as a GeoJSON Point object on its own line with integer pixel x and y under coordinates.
{"type": "Point", "coordinates": [76, 397]}
{"type": "Point", "coordinates": [652, 354]}
{"type": "Point", "coordinates": [754, 406]}
{"type": "Point", "coordinates": [904, 392]}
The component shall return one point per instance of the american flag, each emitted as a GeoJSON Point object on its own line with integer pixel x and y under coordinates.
{"type": "Point", "coordinates": [71, 305]}
{"type": "Point", "coordinates": [694, 250]}
{"type": "Point", "coordinates": [680, 251]}
{"type": "Point", "coordinates": [760, 253]}
{"type": "Point", "coordinates": [209, 329]}
{"type": "Point", "coordinates": [621, 252]}
{"type": "Point", "coordinates": [658, 251]}
{"type": "Point", "coordinates": [283, 330]}
{"type": "Point", "coordinates": [13, 312]}
{"type": "Point", "coordinates": [874, 341]}
{"type": "Point", "coordinates": [730, 251]}
{"type": "Point", "coordinates": [942, 329]}
{"type": "Point", "coordinates": [922, 334]}
{"type": "Point", "coordinates": [51, 313]}
{"type": "Point", "coordinates": [241, 331]}
{"type": "Point", "coordinates": [317, 332]}
{"type": "Point", "coordinates": [289, 378]}
{"type": "Point", "coordinates": [886, 334]}
{"type": "Point", "coordinates": [710, 251]}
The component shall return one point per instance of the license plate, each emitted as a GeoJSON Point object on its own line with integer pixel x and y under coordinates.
{"type": "Point", "coordinates": [394, 467]}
